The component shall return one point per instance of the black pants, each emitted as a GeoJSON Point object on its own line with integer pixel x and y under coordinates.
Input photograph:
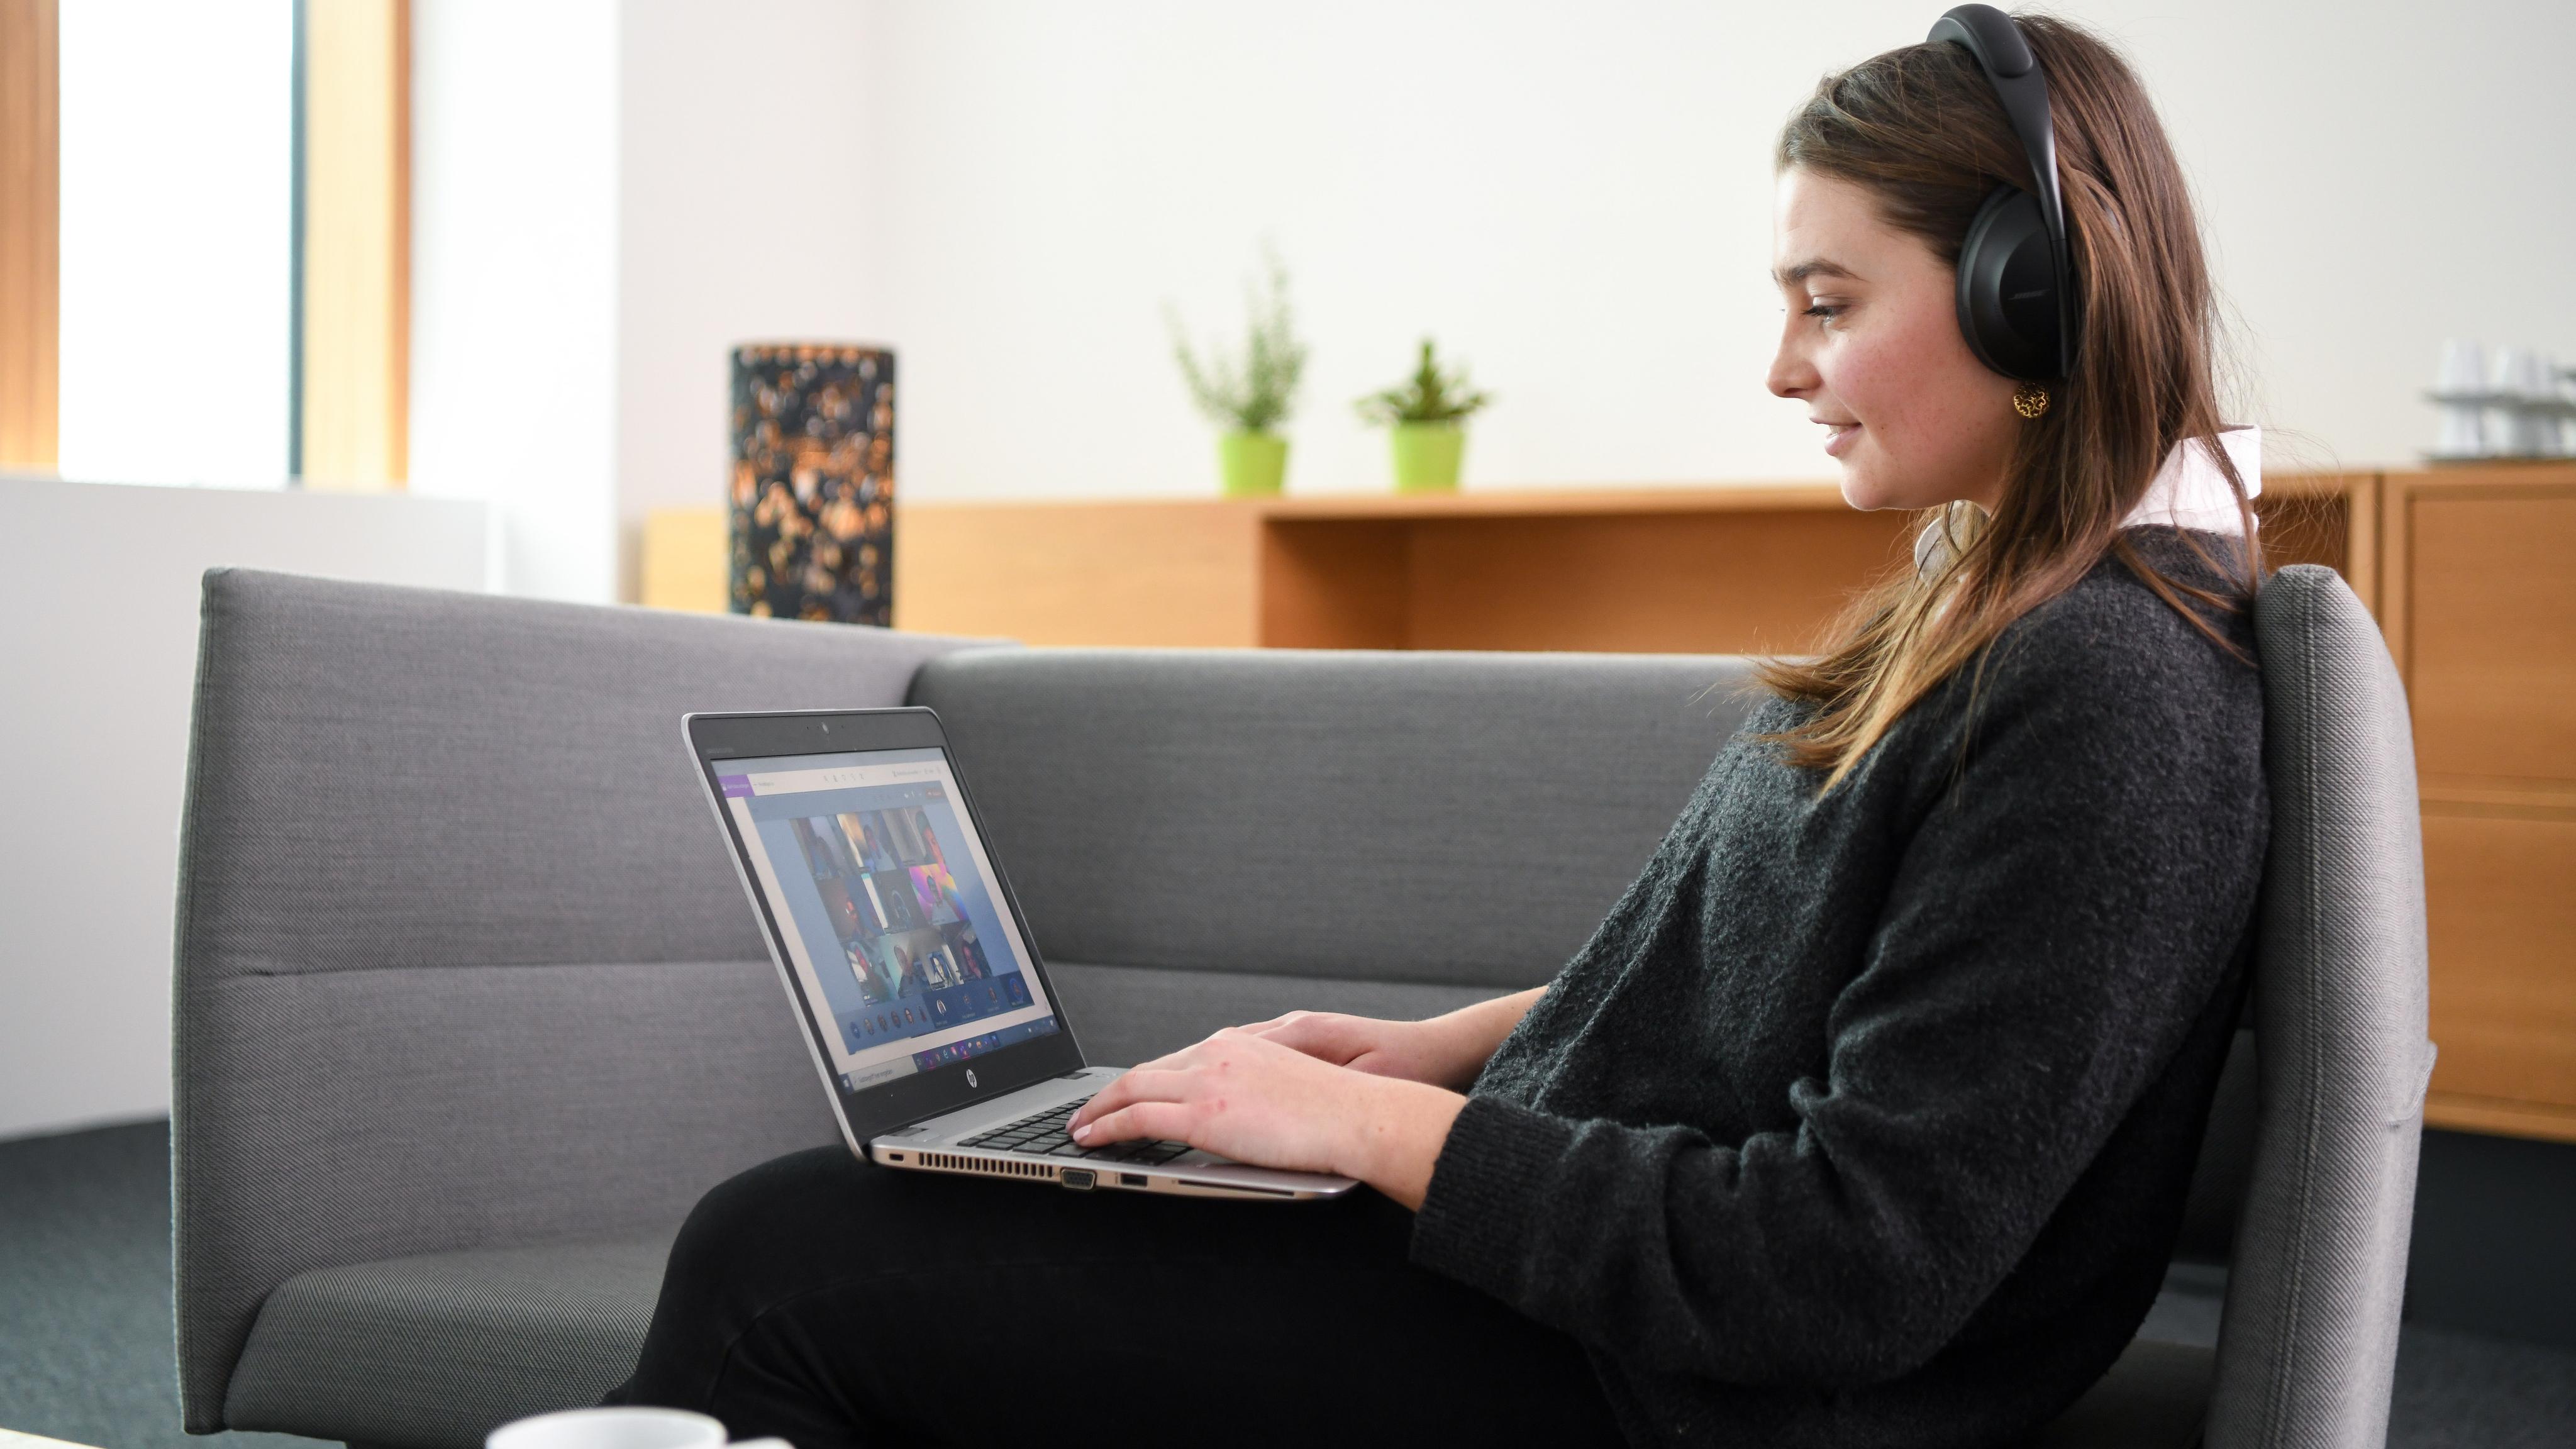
{"type": "Point", "coordinates": [833, 1303]}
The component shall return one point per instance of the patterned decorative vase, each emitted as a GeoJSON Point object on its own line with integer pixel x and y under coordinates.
{"type": "Point", "coordinates": [813, 482]}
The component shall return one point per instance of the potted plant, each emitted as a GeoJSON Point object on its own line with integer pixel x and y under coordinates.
{"type": "Point", "coordinates": [1251, 398]}
{"type": "Point", "coordinates": [1426, 416]}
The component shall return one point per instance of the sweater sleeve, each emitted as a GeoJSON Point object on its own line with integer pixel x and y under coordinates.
{"type": "Point", "coordinates": [2064, 911]}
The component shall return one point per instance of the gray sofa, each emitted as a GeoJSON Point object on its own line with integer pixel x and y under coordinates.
{"type": "Point", "coordinates": [470, 1008]}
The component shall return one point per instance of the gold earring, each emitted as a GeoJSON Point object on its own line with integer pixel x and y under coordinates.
{"type": "Point", "coordinates": [2030, 400]}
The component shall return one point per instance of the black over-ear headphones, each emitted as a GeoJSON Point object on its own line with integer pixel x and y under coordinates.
{"type": "Point", "coordinates": [2016, 275]}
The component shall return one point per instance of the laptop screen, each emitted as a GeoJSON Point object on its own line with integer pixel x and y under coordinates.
{"type": "Point", "coordinates": [883, 893]}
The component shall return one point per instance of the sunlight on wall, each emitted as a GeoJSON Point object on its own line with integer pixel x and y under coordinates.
{"type": "Point", "coordinates": [514, 281]}
{"type": "Point", "coordinates": [176, 240]}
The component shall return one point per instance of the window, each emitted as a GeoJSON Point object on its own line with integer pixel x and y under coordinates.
{"type": "Point", "coordinates": [177, 252]}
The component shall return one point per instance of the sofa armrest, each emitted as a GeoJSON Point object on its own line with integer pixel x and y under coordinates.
{"type": "Point", "coordinates": [460, 961]}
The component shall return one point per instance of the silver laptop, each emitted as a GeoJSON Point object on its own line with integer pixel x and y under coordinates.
{"type": "Point", "coordinates": [942, 1045]}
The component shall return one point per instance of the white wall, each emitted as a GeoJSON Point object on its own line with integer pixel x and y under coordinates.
{"type": "Point", "coordinates": [2374, 182]}
{"type": "Point", "coordinates": [1576, 199]}
{"type": "Point", "coordinates": [606, 199]}
{"type": "Point", "coordinates": [514, 367]}
{"type": "Point", "coordinates": [744, 216]}
{"type": "Point", "coordinates": [98, 648]}
{"type": "Point", "coordinates": [1548, 189]}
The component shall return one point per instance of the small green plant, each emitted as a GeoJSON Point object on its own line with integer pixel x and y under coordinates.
{"type": "Point", "coordinates": [1257, 395]}
{"type": "Point", "coordinates": [1429, 396]}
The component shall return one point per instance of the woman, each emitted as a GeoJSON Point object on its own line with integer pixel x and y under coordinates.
{"type": "Point", "coordinates": [1867, 1115]}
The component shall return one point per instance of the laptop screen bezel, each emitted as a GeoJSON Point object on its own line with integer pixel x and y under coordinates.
{"type": "Point", "coordinates": [715, 739]}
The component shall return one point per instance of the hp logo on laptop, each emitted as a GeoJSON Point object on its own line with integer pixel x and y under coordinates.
{"type": "Point", "coordinates": [970, 1078]}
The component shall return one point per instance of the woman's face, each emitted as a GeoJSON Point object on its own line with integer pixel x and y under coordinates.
{"type": "Point", "coordinates": [1872, 347]}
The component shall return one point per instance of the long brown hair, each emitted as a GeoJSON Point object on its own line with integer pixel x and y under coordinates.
{"type": "Point", "coordinates": [1921, 131]}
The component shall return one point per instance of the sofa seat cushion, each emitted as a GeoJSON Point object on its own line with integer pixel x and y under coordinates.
{"type": "Point", "coordinates": [1129, 1014]}
{"type": "Point", "coordinates": [433, 1352]}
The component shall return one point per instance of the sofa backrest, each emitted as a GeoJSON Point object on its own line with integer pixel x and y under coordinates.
{"type": "Point", "coordinates": [460, 957]}
{"type": "Point", "coordinates": [2308, 1343]}
{"type": "Point", "coordinates": [1454, 818]}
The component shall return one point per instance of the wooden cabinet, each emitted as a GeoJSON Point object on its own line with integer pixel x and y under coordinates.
{"type": "Point", "coordinates": [2486, 627]}
{"type": "Point", "coordinates": [2500, 896]}
{"type": "Point", "coordinates": [2480, 611]}
{"type": "Point", "coordinates": [1657, 570]}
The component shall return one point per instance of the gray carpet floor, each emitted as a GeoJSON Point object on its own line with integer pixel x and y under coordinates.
{"type": "Point", "coordinates": [2455, 1389]}
{"type": "Point", "coordinates": [86, 1347]}
{"type": "Point", "coordinates": [85, 1338]}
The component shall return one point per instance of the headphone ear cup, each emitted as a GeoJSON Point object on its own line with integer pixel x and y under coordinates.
{"type": "Point", "coordinates": [2008, 305]}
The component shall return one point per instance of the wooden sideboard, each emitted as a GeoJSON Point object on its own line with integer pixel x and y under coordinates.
{"type": "Point", "coordinates": [2471, 572]}
{"type": "Point", "coordinates": [2479, 608]}
{"type": "Point", "coordinates": [1664, 570]}
{"type": "Point", "coordinates": [1657, 570]}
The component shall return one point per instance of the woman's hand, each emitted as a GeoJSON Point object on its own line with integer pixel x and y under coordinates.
{"type": "Point", "coordinates": [1411, 1050]}
{"type": "Point", "coordinates": [1242, 1095]}
{"type": "Point", "coordinates": [1446, 1051]}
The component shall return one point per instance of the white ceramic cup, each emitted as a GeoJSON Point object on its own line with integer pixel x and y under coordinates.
{"type": "Point", "coordinates": [2463, 367]}
{"type": "Point", "coordinates": [619, 1429]}
{"type": "Point", "coordinates": [2507, 434]}
{"type": "Point", "coordinates": [2535, 382]}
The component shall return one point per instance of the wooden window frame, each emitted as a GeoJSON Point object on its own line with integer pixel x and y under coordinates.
{"type": "Point", "coordinates": [353, 244]}
{"type": "Point", "coordinates": [30, 233]}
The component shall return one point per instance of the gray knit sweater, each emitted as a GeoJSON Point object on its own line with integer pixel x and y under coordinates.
{"type": "Point", "coordinates": [1867, 1119]}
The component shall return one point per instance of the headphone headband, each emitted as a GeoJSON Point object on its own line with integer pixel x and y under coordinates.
{"type": "Point", "coordinates": [2022, 86]}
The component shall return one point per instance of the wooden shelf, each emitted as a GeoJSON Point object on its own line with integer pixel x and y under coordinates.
{"type": "Point", "coordinates": [1711, 569]}
{"type": "Point", "coordinates": [1556, 502]}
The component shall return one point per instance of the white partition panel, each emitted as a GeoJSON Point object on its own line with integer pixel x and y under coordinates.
{"type": "Point", "coordinates": [98, 652]}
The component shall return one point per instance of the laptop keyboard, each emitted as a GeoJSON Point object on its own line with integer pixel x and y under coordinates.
{"type": "Point", "coordinates": [1044, 1135]}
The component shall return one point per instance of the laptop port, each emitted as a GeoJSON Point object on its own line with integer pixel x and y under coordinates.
{"type": "Point", "coordinates": [1131, 1179]}
{"type": "Point", "coordinates": [1078, 1178]}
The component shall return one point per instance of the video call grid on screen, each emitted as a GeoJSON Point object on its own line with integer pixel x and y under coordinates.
{"type": "Point", "coordinates": [891, 922]}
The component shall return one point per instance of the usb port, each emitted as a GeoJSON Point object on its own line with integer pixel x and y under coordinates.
{"type": "Point", "coordinates": [1131, 1179]}
{"type": "Point", "coordinates": [1078, 1178]}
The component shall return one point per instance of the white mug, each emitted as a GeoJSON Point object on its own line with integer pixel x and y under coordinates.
{"type": "Point", "coordinates": [619, 1429]}
{"type": "Point", "coordinates": [2464, 367]}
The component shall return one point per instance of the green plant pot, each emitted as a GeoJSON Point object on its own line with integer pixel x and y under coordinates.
{"type": "Point", "coordinates": [1427, 456]}
{"type": "Point", "coordinates": [1254, 465]}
